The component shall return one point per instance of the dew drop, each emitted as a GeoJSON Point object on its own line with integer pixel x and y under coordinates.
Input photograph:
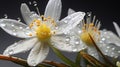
{"type": "Point", "coordinates": [34, 3]}
{"type": "Point", "coordinates": [21, 27]}
{"type": "Point", "coordinates": [5, 16]}
{"type": "Point", "coordinates": [10, 51]}
{"type": "Point", "coordinates": [113, 48]}
{"type": "Point", "coordinates": [14, 34]}
{"type": "Point", "coordinates": [119, 51]}
{"type": "Point", "coordinates": [74, 50]}
{"type": "Point", "coordinates": [76, 42]}
{"type": "Point", "coordinates": [18, 19]}
{"type": "Point", "coordinates": [33, 62]}
{"type": "Point", "coordinates": [12, 25]}
{"type": "Point", "coordinates": [3, 25]}
{"type": "Point", "coordinates": [30, 3]}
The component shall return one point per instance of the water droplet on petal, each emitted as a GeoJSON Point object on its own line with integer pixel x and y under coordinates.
{"type": "Point", "coordinates": [119, 51]}
{"type": "Point", "coordinates": [10, 51]}
{"type": "Point", "coordinates": [18, 19]}
{"type": "Point", "coordinates": [74, 50]}
{"type": "Point", "coordinates": [33, 62]}
{"type": "Point", "coordinates": [3, 25]}
{"type": "Point", "coordinates": [14, 34]}
{"type": "Point", "coordinates": [77, 43]}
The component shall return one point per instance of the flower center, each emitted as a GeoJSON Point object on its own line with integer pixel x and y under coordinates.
{"type": "Point", "coordinates": [43, 28]}
{"type": "Point", "coordinates": [89, 29]}
{"type": "Point", "coordinates": [43, 32]}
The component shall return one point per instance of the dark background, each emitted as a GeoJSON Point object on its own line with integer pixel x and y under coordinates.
{"type": "Point", "coordinates": [105, 11]}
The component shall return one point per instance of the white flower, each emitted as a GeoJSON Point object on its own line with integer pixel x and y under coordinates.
{"type": "Point", "coordinates": [41, 31]}
{"type": "Point", "coordinates": [107, 41]}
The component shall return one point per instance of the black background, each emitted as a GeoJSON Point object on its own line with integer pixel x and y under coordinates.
{"type": "Point", "coordinates": [105, 11]}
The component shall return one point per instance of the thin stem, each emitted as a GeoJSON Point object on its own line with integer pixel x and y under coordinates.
{"type": "Point", "coordinates": [78, 58]}
{"type": "Point", "coordinates": [63, 58]}
{"type": "Point", "coordinates": [24, 62]}
{"type": "Point", "coordinates": [100, 51]}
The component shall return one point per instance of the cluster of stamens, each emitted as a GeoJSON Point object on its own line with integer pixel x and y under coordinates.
{"type": "Point", "coordinates": [42, 27]}
{"type": "Point", "coordinates": [90, 28]}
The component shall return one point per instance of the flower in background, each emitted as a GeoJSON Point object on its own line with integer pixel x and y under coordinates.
{"type": "Point", "coordinates": [106, 40]}
{"type": "Point", "coordinates": [118, 64]}
{"type": "Point", "coordinates": [41, 32]}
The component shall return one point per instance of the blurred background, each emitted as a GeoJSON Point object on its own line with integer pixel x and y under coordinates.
{"type": "Point", "coordinates": [105, 11]}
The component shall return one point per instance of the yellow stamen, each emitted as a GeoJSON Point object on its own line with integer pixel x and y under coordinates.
{"type": "Point", "coordinates": [90, 30]}
{"type": "Point", "coordinates": [43, 32]}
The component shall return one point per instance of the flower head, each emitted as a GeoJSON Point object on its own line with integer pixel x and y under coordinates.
{"type": "Point", "coordinates": [41, 32]}
{"type": "Point", "coordinates": [107, 41]}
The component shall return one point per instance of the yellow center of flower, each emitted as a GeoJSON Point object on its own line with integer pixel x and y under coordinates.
{"type": "Point", "coordinates": [43, 32]}
{"type": "Point", "coordinates": [87, 31]}
{"type": "Point", "coordinates": [42, 28]}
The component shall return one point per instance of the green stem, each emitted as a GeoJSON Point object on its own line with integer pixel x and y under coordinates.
{"type": "Point", "coordinates": [62, 57]}
{"type": "Point", "coordinates": [78, 58]}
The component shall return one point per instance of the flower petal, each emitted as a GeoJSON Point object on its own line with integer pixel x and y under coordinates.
{"type": "Point", "coordinates": [93, 52]}
{"type": "Point", "coordinates": [21, 46]}
{"type": "Point", "coordinates": [70, 21]}
{"type": "Point", "coordinates": [117, 28]}
{"type": "Point", "coordinates": [53, 9]}
{"type": "Point", "coordinates": [67, 43]}
{"type": "Point", "coordinates": [109, 49]}
{"type": "Point", "coordinates": [70, 11]}
{"type": "Point", "coordinates": [28, 16]}
{"type": "Point", "coordinates": [109, 37]}
{"type": "Point", "coordinates": [15, 28]}
{"type": "Point", "coordinates": [38, 54]}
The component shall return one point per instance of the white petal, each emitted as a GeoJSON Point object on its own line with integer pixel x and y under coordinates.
{"type": "Point", "coordinates": [15, 28]}
{"type": "Point", "coordinates": [21, 46]}
{"type": "Point", "coordinates": [38, 54]}
{"type": "Point", "coordinates": [117, 28]}
{"type": "Point", "coordinates": [110, 49]}
{"type": "Point", "coordinates": [67, 43]}
{"type": "Point", "coordinates": [93, 52]}
{"type": "Point", "coordinates": [70, 21]}
{"type": "Point", "coordinates": [28, 16]}
{"type": "Point", "coordinates": [53, 9]}
{"type": "Point", "coordinates": [70, 11]}
{"type": "Point", "coordinates": [109, 37]}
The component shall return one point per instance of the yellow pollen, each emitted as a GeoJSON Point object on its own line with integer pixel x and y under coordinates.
{"type": "Point", "coordinates": [91, 30]}
{"type": "Point", "coordinates": [43, 32]}
{"type": "Point", "coordinates": [30, 34]}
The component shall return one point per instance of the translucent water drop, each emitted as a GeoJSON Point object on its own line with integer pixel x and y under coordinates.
{"type": "Point", "coordinates": [113, 48]}
{"type": "Point", "coordinates": [74, 50]}
{"type": "Point", "coordinates": [34, 3]}
{"type": "Point", "coordinates": [33, 62]}
{"type": "Point", "coordinates": [118, 51]}
{"type": "Point", "coordinates": [67, 39]}
{"type": "Point", "coordinates": [14, 34]}
{"type": "Point", "coordinates": [108, 47]}
{"type": "Point", "coordinates": [76, 42]}
{"type": "Point", "coordinates": [12, 25]}
{"type": "Point", "coordinates": [5, 16]}
{"type": "Point", "coordinates": [30, 3]}
{"type": "Point", "coordinates": [3, 25]}
{"type": "Point", "coordinates": [18, 19]}
{"type": "Point", "coordinates": [10, 51]}
{"type": "Point", "coordinates": [21, 27]}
